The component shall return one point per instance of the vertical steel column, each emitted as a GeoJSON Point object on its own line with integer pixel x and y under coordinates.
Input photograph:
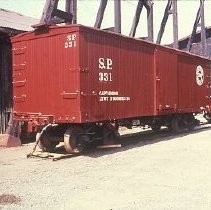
{"type": "Point", "coordinates": [69, 7]}
{"type": "Point", "coordinates": [75, 16]}
{"type": "Point", "coordinates": [171, 8]}
{"type": "Point", "coordinates": [148, 4]}
{"type": "Point", "coordinates": [149, 7]}
{"type": "Point", "coordinates": [100, 13]}
{"type": "Point", "coordinates": [136, 18]}
{"type": "Point", "coordinates": [175, 24]}
{"type": "Point", "coordinates": [164, 21]}
{"type": "Point", "coordinates": [203, 30]}
{"type": "Point", "coordinates": [199, 21]}
{"type": "Point", "coordinates": [50, 5]}
{"type": "Point", "coordinates": [190, 41]}
{"type": "Point", "coordinates": [117, 16]}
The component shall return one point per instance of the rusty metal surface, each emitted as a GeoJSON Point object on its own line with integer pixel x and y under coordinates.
{"type": "Point", "coordinates": [78, 74]}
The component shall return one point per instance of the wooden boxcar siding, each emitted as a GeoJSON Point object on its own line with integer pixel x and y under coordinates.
{"type": "Point", "coordinates": [132, 76]}
{"type": "Point", "coordinates": [51, 74]}
{"type": "Point", "coordinates": [166, 80]}
{"type": "Point", "coordinates": [66, 82]}
{"type": "Point", "coordinates": [5, 83]}
{"type": "Point", "coordinates": [191, 95]}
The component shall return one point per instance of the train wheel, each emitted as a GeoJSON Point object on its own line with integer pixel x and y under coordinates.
{"type": "Point", "coordinates": [192, 122]}
{"type": "Point", "coordinates": [207, 116]}
{"type": "Point", "coordinates": [110, 135]}
{"type": "Point", "coordinates": [176, 128]}
{"type": "Point", "coordinates": [155, 127]}
{"type": "Point", "coordinates": [75, 140]}
{"type": "Point", "coordinates": [45, 143]}
{"type": "Point", "coordinates": [169, 127]}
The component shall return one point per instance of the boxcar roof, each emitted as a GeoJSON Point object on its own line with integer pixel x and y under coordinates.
{"type": "Point", "coordinates": [13, 20]}
{"type": "Point", "coordinates": [55, 30]}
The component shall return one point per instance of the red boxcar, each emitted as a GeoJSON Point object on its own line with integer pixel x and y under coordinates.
{"type": "Point", "coordinates": [76, 75]}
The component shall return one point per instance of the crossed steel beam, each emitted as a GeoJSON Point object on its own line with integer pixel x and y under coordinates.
{"type": "Point", "coordinates": [70, 16]}
{"type": "Point", "coordinates": [51, 12]}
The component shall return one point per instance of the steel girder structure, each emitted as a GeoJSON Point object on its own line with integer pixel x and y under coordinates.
{"type": "Point", "coordinates": [171, 9]}
{"type": "Point", "coordinates": [51, 11]}
{"type": "Point", "coordinates": [148, 4]}
{"type": "Point", "coordinates": [117, 15]}
{"type": "Point", "coordinates": [199, 22]}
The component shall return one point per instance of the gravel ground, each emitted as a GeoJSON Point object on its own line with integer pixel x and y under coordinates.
{"type": "Point", "coordinates": [149, 172]}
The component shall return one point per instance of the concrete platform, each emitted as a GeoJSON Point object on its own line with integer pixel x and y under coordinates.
{"type": "Point", "coordinates": [7, 140]}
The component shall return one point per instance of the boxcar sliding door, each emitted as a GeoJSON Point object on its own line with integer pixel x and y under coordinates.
{"type": "Point", "coordinates": [166, 80]}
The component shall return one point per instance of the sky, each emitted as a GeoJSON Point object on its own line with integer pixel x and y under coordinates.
{"type": "Point", "coordinates": [87, 10]}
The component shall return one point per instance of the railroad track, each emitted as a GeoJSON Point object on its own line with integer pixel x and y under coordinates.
{"type": "Point", "coordinates": [148, 136]}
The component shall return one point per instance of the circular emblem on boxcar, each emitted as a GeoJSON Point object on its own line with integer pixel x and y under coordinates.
{"type": "Point", "coordinates": [199, 75]}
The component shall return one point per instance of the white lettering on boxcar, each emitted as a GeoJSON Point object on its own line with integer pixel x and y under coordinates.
{"type": "Point", "coordinates": [106, 77]}
{"type": "Point", "coordinates": [70, 41]}
{"type": "Point", "coordinates": [111, 96]}
{"type": "Point", "coordinates": [105, 67]}
{"type": "Point", "coordinates": [199, 75]}
{"type": "Point", "coordinates": [105, 63]}
{"type": "Point", "coordinates": [108, 93]}
{"type": "Point", "coordinates": [119, 98]}
{"type": "Point", "coordinates": [101, 63]}
{"type": "Point", "coordinates": [104, 99]}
